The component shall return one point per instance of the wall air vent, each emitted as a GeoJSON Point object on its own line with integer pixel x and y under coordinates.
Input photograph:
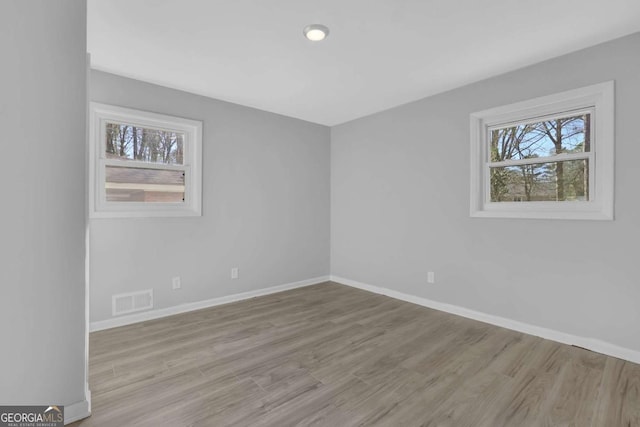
{"type": "Point", "coordinates": [131, 302]}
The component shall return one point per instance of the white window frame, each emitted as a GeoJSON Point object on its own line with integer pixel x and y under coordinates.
{"type": "Point", "coordinates": [99, 207]}
{"type": "Point", "coordinates": [598, 100]}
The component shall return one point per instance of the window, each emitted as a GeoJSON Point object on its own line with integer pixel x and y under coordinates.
{"type": "Point", "coordinates": [143, 164]}
{"type": "Point", "coordinates": [550, 157]}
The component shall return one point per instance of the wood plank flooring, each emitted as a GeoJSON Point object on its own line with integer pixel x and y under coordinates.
{"type": "Point", "coordinates": [331, 355]}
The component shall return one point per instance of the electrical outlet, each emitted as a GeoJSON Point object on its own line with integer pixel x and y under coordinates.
{"type": "Point", "coordinates": [431, 277]}
{"type": "Point", "coordinates": [235, 273]}
{"type": "Point", "coordinates": [175, 283]}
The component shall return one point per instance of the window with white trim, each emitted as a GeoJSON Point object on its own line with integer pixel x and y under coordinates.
{"type": "Point", "coordinates": [550, 157]}
{"type": "Point", "coordinates": [143, 164]}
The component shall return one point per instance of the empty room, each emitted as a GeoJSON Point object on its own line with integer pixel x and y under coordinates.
{"type": "Point", "coordinates": [338, 213]}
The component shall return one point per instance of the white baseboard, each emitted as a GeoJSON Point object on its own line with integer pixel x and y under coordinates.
{"type": "Point", "coordinates": [77, 411]}
{"type": "Point", "coordinates": [183, 308]}
{"type": "Point", "coordinates": [550, 334]}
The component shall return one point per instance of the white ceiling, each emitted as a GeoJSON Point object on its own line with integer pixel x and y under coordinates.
{"type": "Point", "coordinates": [379, 54]}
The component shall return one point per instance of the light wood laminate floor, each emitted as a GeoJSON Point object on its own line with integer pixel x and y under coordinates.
{"type": "Point", "coordinates": [337, 356]}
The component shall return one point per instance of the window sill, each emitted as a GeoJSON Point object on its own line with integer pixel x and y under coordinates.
{"type": "Point", "coordinates": [551, 212]}
{"type": "Point", "coordinates": [159, 213]}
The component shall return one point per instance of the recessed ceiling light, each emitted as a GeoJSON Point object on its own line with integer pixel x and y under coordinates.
{"type": "Point", "coordinates": [315, 32]}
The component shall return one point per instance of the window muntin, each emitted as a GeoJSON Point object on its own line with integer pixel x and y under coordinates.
{"type": "Point", "coordinates": [144, 164]}
{"type": "Point", "coordinates": [549, 157]}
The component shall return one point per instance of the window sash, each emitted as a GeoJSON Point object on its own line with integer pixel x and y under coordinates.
{"type": "Point", "coordinates": [592, 188]}
{"type": "Point", "coordinates": [144, 124]}
{"type": "Point", "coordinates": [590, 156]}
{"type": "Point", "coordinates": [543, 118]}
{"type": "Point", "coordinates": [118, 206]}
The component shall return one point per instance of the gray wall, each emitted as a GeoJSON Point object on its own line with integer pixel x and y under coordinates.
{"type": "Point", "coordinates": [400, 208]}
{"type": "Point", "coordinates": [42, 220]}
{"type": "Point", "coordinates": [265, 206]}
